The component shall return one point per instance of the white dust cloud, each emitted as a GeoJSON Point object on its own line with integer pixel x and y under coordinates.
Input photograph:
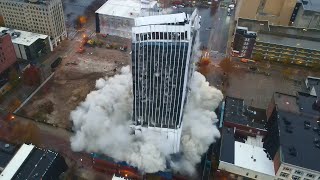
{"type": "Point", "coordinates": [102, 124]}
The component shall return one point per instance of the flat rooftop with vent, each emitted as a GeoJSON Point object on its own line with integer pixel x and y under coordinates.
{"type": "Point", "coordinates": [28, 45]}
{"type": "Point", "coordinates": [244, 156]}
{"type": "Point", "coordinates": [293, 137]}
{"type": "Point", "coordinates": [237, 114]}
{"type": "Point", "coordinates": [30, 162]}
{"type": "Point", "coordinates": [7, 152]}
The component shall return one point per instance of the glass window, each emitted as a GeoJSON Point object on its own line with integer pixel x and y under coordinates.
{"type": "Point", "coordinates": [310, 175]}
{"type": "Point", "coordinates": [298, 172]}
{"type": "Point", "coordinates": [283, 174]}
{"type": "Point", "coordinates": [287, 169]}
{"type": "Point", "coordinates": [295, 177]}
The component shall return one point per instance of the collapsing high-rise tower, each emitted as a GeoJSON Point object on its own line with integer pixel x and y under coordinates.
{"type": "Point", "coordinates": [162, 66]}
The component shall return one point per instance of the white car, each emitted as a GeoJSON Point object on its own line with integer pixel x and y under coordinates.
{"type": "Point", "coordinates": [231, 6]}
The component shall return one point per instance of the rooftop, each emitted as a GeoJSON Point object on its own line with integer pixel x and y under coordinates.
{"type": "Point", "coordinates": [297, 145]}
{"type": "Point", "coordinates": [302, 103]}
{"type": "Point", "coordinates": [33, 163]}
{"type": "Point", "coordinates": [312, 5]}
{"type": "Point", "coordinates": [237, 112]}
{"type": "Point", "coordinates": [160, 19]}
{"type": "Point", "coordinates": [22, 37]}
{"type": "Point", "coordinates": [247, 154]}
{"type": "Point", "coordinates": [280, 39]}
{"type": "Point", "coordinates": [7, 152]}
{"type": "Point", "coordinates": [16, 162]}
{"type": "Point", "coordinates": [126, 8]}
{"type": "Point", "coordinates": [288, 36]}
{"type": "Point", "coordinates": [253, 25]}
{"type": "Point", "coordinates": [298, 129]}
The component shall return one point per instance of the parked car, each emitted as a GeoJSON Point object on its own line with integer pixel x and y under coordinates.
{"type": "Point", "coordinates": [56, 63]}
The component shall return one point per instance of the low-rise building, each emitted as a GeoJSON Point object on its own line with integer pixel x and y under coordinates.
{"type": "Point", "coordinates": [293, 136]}
{"type": "Point", "coordinates": [27, 45]}
{"type": "Point", "coordinates": [243, 156]}
{"type": "Point", "coordinates": [307, 14]}
{"type": "Point", "coordinates": [282, 44]}
{"type": "Point", "coordinates": [247, 119]}
{"type": "Point", "coordinates": [241, 152]}
{"type": "Point", "coordinates": [30, 162]}
{"type": "Point", "coordinates": [116, 17]}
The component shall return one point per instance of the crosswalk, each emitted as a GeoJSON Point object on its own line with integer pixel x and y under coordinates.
{"type": "Point", "coordinates": [72, 34]}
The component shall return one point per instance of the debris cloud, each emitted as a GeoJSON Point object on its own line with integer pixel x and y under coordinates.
{"type": "Point", "coordinates": [102, 125]}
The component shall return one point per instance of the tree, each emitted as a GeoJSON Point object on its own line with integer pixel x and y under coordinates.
{"type": "Point", "coordinates": [227, 65]}
{"type": "Point", "coordinates": [32, 76]}
{"type": "Point", "coordinates": [13, 77]}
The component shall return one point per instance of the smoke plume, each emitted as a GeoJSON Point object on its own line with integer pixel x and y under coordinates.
{"type": "Point", "coordinates": [102, 125]}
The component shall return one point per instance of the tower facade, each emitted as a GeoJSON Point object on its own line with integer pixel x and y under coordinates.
{"type": "Point", "coordinates": [38, 16]}
{"type": "Point", "coordinates": [161, 68]}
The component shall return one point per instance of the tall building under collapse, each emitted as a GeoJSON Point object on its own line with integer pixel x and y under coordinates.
{"type": "Point", "coordinates": [162, 66]}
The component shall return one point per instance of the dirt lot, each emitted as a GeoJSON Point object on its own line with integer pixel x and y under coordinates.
{"type": "Point", "coordinates": [72, 81]}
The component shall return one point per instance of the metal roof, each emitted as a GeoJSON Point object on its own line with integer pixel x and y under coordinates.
{"type": "Point", "coordinates": [24, 38]}
{"type": "Point", "coordinates": [125, 8]}
{"type": "Point", "coordinates": [160, 19]}
{"type": "Point", "coordinates": [16, 162]}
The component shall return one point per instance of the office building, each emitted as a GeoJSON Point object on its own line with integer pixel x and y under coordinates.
{"type": "Point", "coordinates": [162, 65]}
{"type": "Point", "coordinates": [30, 162]}
{"type": "Point", "coordinates": [37, 16]}
{"type": "Point", "coordinates": [277, 12]}
{"type": "Point", "coordinates": [116, 17]}
{"type": "Point", "coordinates": [293, 135]}
{"type": "Point", "coordinates": [307, 14]}
{"type": "Point", "coordinates": [278, 43]}
{"type": "Point", "coordinates": [27, 45]}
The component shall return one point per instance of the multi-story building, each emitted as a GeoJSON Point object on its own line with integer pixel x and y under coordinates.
{"type": "Point", "coordinates": [38, 16]}
{"type": "Point", "coordinates": [162, 65]}
{"type": "Point", "coordinates": [27, 45]}
{"type": "Point", "coordinates": [307, 14]}
{"type": "Point", "coordinates": [277, 12]}
{"type": "Point", "coordinates": [7, 53]}
{"type": "Point", "coordinates": [116, 17]}
{"type": "Point", "coordinates": [241, 151]}
{"type": "Point", "coordinates": [293, 136]}
{"type": "Point", "coordinates": [282, 44]}
{"type": "Point", "coordinates": [7, 61]}
{"type": "Point", "coordinates": [282, 143]}
{"type": "Point", "coordinates": [244, 41]}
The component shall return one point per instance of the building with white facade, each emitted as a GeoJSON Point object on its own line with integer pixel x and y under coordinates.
{"type": "Point", "coordinates": [37, 16]}
{"type": "Point", "coordinates": [27, 45]}
{"type": "Point", "coordinates": [162, 65]}
{"type": "Point", "coordinates": [116, 17]}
